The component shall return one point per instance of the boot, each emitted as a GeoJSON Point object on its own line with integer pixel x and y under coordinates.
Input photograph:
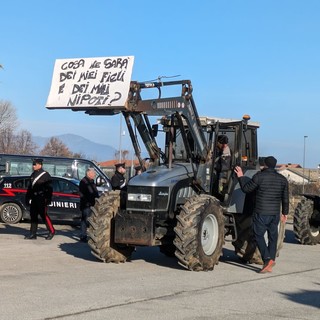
{"type": "Point", "coordinates": [49, 236]}
{"type": "Point", "coordinates": [30, 236]}
{"type": "Point", "coordinates": [33, 232]}
{"type": "Point", "coordinates": [50, 228]}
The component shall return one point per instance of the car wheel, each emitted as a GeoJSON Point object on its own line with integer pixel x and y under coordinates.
{"type": "Point", "coordinates": [10, 213]}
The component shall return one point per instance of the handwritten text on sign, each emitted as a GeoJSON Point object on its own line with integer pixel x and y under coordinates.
{"type": "Point", "coordinates": [90, 82]}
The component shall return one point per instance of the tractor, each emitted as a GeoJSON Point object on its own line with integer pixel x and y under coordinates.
{"type": "Point", "coordinates": [181, 203]}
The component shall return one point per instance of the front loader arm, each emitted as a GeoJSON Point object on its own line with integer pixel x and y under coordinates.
{"type": "Point", "coordinates": [183, 104]}
{"type": "Point", "coordinates": [146, 135]}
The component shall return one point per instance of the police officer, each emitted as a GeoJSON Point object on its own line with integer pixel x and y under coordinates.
{"type": "Point", "coordinates": [39, 196]}
{"type": "Point", "coordinates": [138, 170]}
{"type": "Point", "coordinates": [118, 182]}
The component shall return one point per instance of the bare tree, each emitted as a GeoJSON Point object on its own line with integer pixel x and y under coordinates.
{"type": "Point", "coordinates": [8, 124]}
{"type": "Point", "coordinates": [78, 155]}
{"type": "Point", "coordinates": [55, 147]}
{"type": "Point", "coordinates": [7, 141]}
{"type": "Point", "coordinates": [124, 154]}
{"type": "Point", "coordinates": [8, 116]}
{"type": "Point", "coordinates": [24, 144]}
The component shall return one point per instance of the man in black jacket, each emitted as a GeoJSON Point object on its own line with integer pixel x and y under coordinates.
{"type": "Point", "coordinates": [39, 196]}
{"type": "Point", "coordinates": [272, 195]}
{"type": "Point", "coordinates": [118, 182]}
{"type": "Point", "coordinates": [88, 194]}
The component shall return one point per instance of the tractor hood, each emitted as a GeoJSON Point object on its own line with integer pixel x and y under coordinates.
{"type": "Point", "coordinates": [163, 176]}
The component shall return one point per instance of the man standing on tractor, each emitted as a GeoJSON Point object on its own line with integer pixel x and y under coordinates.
{"type": "Point", "coordinates": [222, 166]}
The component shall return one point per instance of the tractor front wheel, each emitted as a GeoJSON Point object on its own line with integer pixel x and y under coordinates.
{"type": "Point", "coordinates": [199, 233]}
{"type": "Point", "coordinates": [100, 230]}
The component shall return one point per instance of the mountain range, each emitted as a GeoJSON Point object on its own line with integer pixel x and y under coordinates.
{"type": "Point", "coordinates": [77, 144]}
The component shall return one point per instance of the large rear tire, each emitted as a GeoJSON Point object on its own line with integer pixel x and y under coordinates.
{"type": "Point", "coordinates": [199, 233]}
{"type": "Point", "coordinates": [305, 230]}
{"type": "Point", "coordinates": [245, 246]}
{"type": "Point", "coordinates": [256, 258]}
{"type": "Point", "coordinates": [100, 230]}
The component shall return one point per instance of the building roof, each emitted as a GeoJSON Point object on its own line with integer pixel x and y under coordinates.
{"type": "Point", "coordinates": [312, 175]}
{"type": "Point", "coordinates": [112, 163]}
{"type": "Point", "coordinates": [287, 165]}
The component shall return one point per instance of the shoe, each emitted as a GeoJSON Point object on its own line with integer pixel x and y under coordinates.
{"type": "Point", "coordinates": [83, 239]}
{"type": "Point", "coordinates": [30, 237]}
{"type": "Point", "coordinates": [49, 236]}
{"type": "Point", "coordinates": [268, 266]}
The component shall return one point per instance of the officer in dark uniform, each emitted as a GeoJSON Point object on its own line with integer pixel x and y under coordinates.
{"type": "Point", "coordinates": [118, 182]}
{"type": "Point", "coordinates": [39, 196]}
{"type": "Point", "coordinates": [138, 170]}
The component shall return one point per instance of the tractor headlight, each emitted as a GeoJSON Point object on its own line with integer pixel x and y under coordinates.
{"type": "Point", "coordinates": [142, 197]}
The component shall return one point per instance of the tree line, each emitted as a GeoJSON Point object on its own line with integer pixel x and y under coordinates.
{"type": "Point", "coordinates": [13, 140]}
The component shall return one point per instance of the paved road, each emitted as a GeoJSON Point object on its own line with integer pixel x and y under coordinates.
{"type": "Point", "coordinates": [60, 279]}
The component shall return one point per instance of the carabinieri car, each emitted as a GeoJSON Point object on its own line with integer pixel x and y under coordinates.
{"type": "Point", "coordinates": [64, 205]}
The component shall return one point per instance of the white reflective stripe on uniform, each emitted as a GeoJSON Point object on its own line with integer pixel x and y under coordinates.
{"type": "Point", "coordinates": [38, 177]}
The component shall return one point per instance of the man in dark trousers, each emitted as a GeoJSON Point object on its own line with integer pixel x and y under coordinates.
{"type": "Point", "coordinates": [88, 194]}
{"type": "Point", "coordinates": [39, 194]}
{"type": "Point", "coordinates": [118, 182]}
{"type": "Point", "coordinates": [272, 197]}
{"type": "Point", "coordinates": [222, 167]}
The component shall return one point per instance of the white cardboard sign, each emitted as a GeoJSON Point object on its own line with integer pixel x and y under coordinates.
{"type": "Point", "coordinates": [90, 82]}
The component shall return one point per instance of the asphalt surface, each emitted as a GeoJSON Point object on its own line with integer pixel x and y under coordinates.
{"type": "Point", "coordinates": [60, 279]}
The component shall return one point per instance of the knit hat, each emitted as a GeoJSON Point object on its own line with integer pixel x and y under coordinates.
{"type": "Point", "coordinates": [270, 162]}
{"type": "Point", "coordinates": [223, 139]}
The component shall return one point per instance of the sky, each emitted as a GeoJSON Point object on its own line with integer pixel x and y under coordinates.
{"type": "Point", "coordinates": [256, 57]}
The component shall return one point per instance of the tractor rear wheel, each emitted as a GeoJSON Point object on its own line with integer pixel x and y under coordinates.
{"type": "Point", "coordinates": [199, 233]}
{"type": "Point", "coordinates": [245, 246]}
{"type": "Point", "coordinates": [100, 230]}
{"type": "Point", "coordinates": [305, 228]}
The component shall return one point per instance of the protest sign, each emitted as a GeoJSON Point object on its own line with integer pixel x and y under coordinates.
{"type": "Point", "coordinates": [102, 82]}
